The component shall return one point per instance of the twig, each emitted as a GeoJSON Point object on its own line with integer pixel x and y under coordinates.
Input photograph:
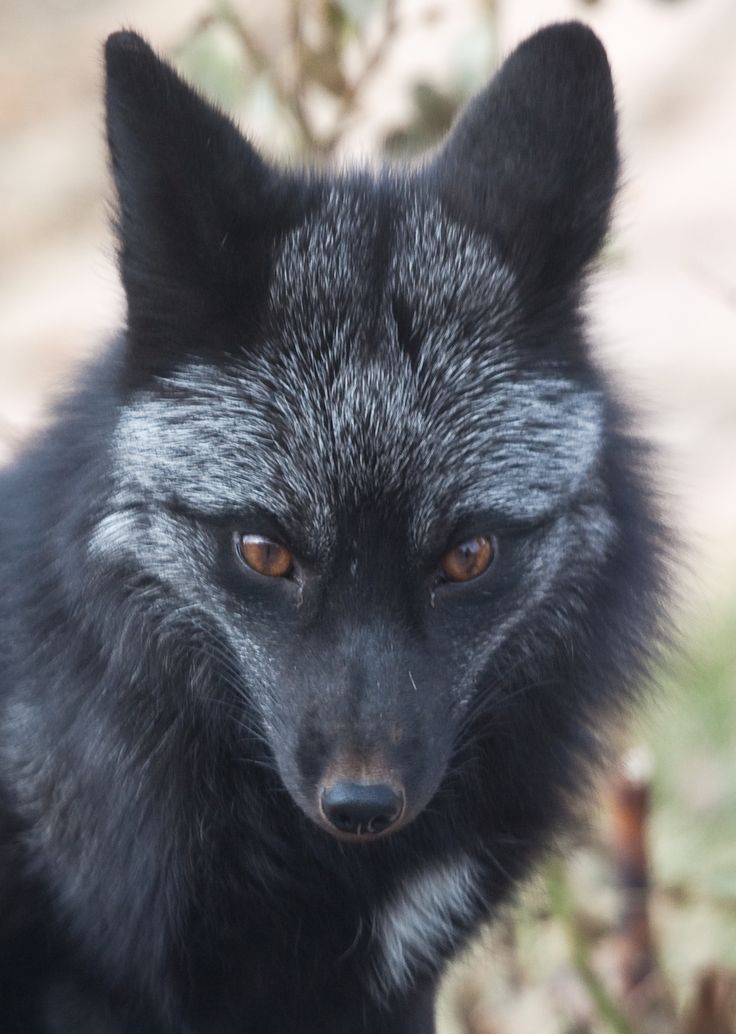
{"type": "Point", "coordinates": [299, 87]}
{"type": "Point", "coordinates": [563, 908]}
{"type": "Point", "coordinates": [682, 894]}
{"type": "Point", "coordinates": [261, 62]}
{"type": "Point", "coordinates": [630, 797]}
{"type": "Point", "coordinates": [378, 54]}
{"type": "Point", "coordinates": [292, 92]}
{"type": "Point", "coordinates": [713, 1010]}
{"type": "Point", "coordinates": [372, 63]}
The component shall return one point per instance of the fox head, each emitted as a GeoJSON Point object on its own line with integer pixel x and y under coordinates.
{"type": "Point", "coordinates": [360, 447]}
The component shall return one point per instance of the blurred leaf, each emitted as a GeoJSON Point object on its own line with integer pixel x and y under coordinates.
{"type": "Point", "coordinates": [215, 61]}
{"type": "Point", "coordinates": [357, 11]}
{"type": "Point", "coordinates": [475, 58]}
{"type": "Point", "coordinates": [432, 116]}
{"type": "Point", "coordinates": [262, 99]}
{"type": "Point", "coordinates": [695, 789]}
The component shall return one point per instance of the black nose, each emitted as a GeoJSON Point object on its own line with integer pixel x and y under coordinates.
{"type": "Point", "coordinates": [362, 808]}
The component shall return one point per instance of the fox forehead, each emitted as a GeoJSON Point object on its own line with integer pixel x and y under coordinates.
{"type": "Point", "coordinates": [332, 408]}
{"type": "Point", "coordinates": [231, 444]}
{"type": "Point", "coordinates": [368, 247]}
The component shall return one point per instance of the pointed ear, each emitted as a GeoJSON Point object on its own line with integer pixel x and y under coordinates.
{"type": "Point", "coordinates": [533, 160]}
{"type": "Point", "coordinates": [197, 207]}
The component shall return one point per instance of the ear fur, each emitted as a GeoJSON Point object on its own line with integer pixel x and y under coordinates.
{"type": "Point", "coordinates": [533, 159]}
{"type": "Point", "coordinates": [197, 206]}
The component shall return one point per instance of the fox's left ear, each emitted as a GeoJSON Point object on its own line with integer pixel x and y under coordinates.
{"type": "Point", "coordinates": [533, 160]}
{"type": "Point", "coordinates": [197, 206]}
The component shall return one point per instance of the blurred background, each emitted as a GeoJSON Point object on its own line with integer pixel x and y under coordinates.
{"type": "Point", "coordinates": [635, 932]}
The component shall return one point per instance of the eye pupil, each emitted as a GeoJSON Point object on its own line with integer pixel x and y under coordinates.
{"type": "Point", "coordinates": [469, 559]}
{"type": "Point", "coordinates": [265, 556]}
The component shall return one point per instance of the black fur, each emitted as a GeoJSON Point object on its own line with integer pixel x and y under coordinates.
{"type": "Point", "coordinates": [374, 368]}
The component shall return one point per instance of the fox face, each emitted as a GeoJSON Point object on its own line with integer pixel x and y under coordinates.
{"type": "Point", "coordinates": [360, 450]}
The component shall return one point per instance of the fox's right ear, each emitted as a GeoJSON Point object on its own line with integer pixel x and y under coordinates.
{"type": "Point", "coordinates": [197, 206]}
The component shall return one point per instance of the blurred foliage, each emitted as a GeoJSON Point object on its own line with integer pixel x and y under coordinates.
{"type": "Point", "coordinates": [309, 86]}
{"type": "Point", "coordinates": [696, 765]}
{"type": "Point", "coordinates": [432, 113]}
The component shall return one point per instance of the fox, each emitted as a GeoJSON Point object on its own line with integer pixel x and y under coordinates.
{"type": "Point", "coordinates": [327, 581]}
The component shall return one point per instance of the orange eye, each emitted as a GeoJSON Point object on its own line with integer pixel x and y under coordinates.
{"type": "Point", "coordinates": [468, 560]}
{"type": "Point", "coordinates": [265, 556]}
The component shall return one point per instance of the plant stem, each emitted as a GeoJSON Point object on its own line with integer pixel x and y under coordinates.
{"type": "Point", "coordinates": [563, 908]}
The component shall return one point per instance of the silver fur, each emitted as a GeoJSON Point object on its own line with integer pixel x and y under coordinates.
{"type": "Point", "coordinates": [414, 928]}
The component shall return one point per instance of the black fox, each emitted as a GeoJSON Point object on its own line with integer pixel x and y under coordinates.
{"type": "Point", "coordinates": [322, 587]}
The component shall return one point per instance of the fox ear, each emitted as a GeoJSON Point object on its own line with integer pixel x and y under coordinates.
{"type": "Point", "coordinates": [533, 159]}
{"type": "Point", "coordinates": [197, 206]}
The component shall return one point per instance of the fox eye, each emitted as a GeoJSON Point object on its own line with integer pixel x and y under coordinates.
{"type": "Point", "coordinates": [264, 555]}
{"type": "Point", "coordinates": [468, 559]}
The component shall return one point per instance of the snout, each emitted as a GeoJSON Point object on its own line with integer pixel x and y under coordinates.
{"type": "Point", "coordinates": [364, 809]}
{"type": "Point", "coordinates": [365, 766]}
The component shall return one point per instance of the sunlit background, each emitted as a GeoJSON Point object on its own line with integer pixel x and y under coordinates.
{"type": "Point", "coordinates": [582, 951]}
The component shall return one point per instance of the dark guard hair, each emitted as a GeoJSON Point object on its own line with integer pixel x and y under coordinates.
{"type": "Point", "coordinates": [322, 589]}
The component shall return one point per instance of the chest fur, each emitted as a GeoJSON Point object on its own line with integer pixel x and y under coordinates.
{"type": "Point", "coordinates": [419, 925]}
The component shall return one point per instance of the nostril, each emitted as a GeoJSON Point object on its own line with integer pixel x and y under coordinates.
{"type": "Point", "coordinates": [361, 808]}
